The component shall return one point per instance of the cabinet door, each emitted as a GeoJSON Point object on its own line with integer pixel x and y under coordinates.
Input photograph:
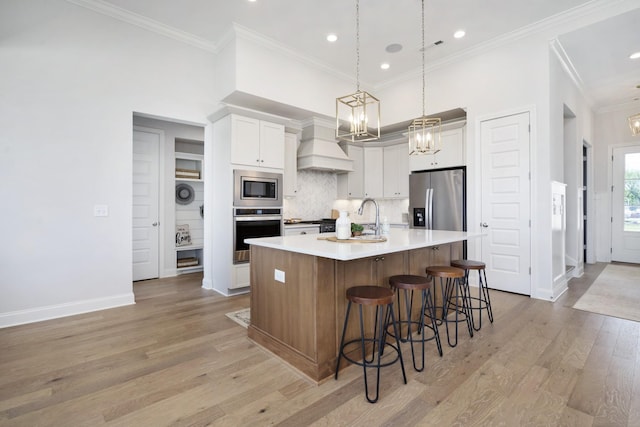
{"type": "Point", "coordinates": [396, 171]}
{"type": "Point", "coordinates": [451, 153]}
{"type": "Point", "coordinates": [373, 172]}
{"type": "Point", "coordinates": [271, 145]}
{"type": "Point", "coordinates": [290, 177]}
{"type": "Point", "coordinates": [351, 184]}
{"type": "Point", "coordinates": [245, 141]}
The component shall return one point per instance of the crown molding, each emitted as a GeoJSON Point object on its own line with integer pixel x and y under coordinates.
{"type": "Point", "coordinates": [143, 22]}
{"type": "Point", "coordinates": [600, 9]}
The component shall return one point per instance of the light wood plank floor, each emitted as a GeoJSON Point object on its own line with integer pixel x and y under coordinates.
{"type": "Point", "coordinates": [175, 359]}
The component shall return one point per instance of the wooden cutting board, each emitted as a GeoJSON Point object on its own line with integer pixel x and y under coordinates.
{"type": "Point", "coordinates": [335, 239]}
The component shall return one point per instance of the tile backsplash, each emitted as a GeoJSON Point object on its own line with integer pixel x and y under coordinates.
{"type": "Point", "coordinates": [316, 193]}
{"type": "Point", "coordinates": [316, 197]}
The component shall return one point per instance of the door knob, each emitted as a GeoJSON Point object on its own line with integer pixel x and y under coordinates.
{"type": "Point", "coordinates": [484, 224]}
{"type": "Point", "coordinates": [155, 224]}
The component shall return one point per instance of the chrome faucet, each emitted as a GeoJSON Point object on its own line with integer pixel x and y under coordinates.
{"type": "Point", "coordinates": [361, 208]}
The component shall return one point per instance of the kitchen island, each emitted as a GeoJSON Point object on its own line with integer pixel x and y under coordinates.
{"type": "Point", "coordinates": [298, 286]}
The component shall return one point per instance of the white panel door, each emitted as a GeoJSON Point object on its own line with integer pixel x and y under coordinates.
{"type": "Point", "coordinates": [625, 223]}
{"type": "Point", "coordinates": [146, 175]}
{"type": "Point", "coordinates": [506, 249]}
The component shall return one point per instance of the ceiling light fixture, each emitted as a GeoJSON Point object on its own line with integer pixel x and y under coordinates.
{"type": "Point", "coordinates": [459, 34]}
{"type": "Point", "coordinates": [634, 55]}
{"type": "Point", "coordinates": [332, 38]}
{"type": "Point", "coordinates": [424, 132]}
{"type": "Point", "coordinates": [634, 124]}
{"type": "Point", "coordinates": [385, 65]}
{"type": "Point", "coordinates": [358, 114]}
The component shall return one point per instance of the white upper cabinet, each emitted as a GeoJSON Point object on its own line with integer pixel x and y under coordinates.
{"type": "Point", "coordinates": [257, 143]}
{"type": "Point", "coordinates": [451, 152]}
{"type": "Point", "coordinates": [351, 184]}
{"type": "Point", "coordinates": [373, 172]}
{"type": "Point", "coordinates": [290, 184]}
{"type": "Point", "coordinates": [396, 171]}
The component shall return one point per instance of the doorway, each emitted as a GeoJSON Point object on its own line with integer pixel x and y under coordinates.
{"type": "Point", "coordinates": [505, 207]}
{"type": "Point", "coordinates": [625, 209]}
{"type": "Point", "coordinates": [147, 144]}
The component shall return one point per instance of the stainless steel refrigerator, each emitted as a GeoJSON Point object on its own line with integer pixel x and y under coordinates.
{"type": "Point", "coordinates": [437, 200]}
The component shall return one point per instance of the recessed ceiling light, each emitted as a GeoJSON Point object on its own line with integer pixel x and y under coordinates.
{"type": "Point", "coordinates": [332, 38]}
{"type": "Point", "coordinates": [459, 34]}
{"type": "Point", "coordinates": [252, 1]}
{"type": "Point", "coordinates": [634, 55]}
{"type": "Point", "coordinates": [385, 65]}
{"type": "Point", "coordinates": [393, 48]}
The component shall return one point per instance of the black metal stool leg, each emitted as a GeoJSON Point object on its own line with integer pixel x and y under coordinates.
{"type": "Point", "coordinates": [344, 331]}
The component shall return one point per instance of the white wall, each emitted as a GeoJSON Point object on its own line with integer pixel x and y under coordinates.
{"type": "Point", "coordinates": [71, 80]}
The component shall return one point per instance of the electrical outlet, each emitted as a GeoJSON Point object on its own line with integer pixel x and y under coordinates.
{"type": "Point", "coordinates": [278, 275]}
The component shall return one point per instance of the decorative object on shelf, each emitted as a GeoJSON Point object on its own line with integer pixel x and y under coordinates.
{"type": "Point", "coordinates": [183, 236]}
{"type": "Point", "coordinates": [356, 229]}
{"type": "Point", "coordinates": [358, 114]}
{"type": "Point", "coordinates": [184, 194]}
{"type": "Point", "coordinates": [634, 124]}
{"type": "Point", "coordinates": [343, 226]}
{"type": "Point", "coordinates": [424, 132]}
{"type": "Point", "coordinates": [187, 173]}
{"type": "Point", "coordinates": [187, 262]}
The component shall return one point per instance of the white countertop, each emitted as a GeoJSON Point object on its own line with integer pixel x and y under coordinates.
{"type": "Point", "coordinates": [397, 240]}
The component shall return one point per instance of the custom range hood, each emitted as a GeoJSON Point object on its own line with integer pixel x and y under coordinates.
{"type": "Point", "coordinates": [319, 149]}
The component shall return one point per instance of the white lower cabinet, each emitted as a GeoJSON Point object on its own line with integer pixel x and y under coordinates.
{"type": "Point", "coordinates": [295, 231]}
{"type": "Point", "coordinates": [241, 276]}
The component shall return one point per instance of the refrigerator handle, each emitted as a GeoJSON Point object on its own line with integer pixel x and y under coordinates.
{"type": "Point", "coordinates": [429, 208]}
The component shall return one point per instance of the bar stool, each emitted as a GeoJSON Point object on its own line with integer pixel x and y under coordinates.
{"type": "Point", "coordinates": [483, 300]}
{"type": "Point", "coordinates": [380, 298]}
{"type": "Point", "coordinates": [406, 284]}
{"type": "Point", "coordinates": [455, 296]}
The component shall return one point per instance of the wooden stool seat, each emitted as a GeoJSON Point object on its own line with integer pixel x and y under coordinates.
{"type": "Point", "coordinates": [455, 299]}
{"type": "Point", "coordinates": [380, 300]}
{"type": "Point", "coordinates": [467, 264]}
{"type": "Point", "coordinates": [483, 300]}
{"type": "Point", "coordinates": [370, 295]}
{"type": "Point", "coordinates": [445, 271]}
{"type": "Point", "coordinates": [409, 281]}
{"type": "Point", "coordinates": [406, 284]}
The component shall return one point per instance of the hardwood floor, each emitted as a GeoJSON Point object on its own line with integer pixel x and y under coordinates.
{"type": "Point", "coordinates": [175, 359]}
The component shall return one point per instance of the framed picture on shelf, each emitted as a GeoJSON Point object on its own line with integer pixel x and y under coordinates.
{"type": "Point", "coordinates": [183, 237]}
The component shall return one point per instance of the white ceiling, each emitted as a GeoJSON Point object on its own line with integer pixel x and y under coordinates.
{"type": "Point", "coordinates": [599, 52]}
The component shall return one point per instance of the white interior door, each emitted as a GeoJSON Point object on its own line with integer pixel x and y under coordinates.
{"type": "Point", "coordinates": [146, 179]}
{"type": "Point", "coordinates": [506, 249]}
{"type": "Point", "coordinates": [625, 224]}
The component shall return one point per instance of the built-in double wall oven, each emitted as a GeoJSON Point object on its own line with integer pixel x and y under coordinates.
{"type": "Point", "coordinates": [257, 210]}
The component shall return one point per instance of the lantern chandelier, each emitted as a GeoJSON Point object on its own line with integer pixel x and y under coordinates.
{"type": "Point", "coordinates": [424, 132]}
{"type": "Point", "coordinates": [358, 114]}
{"type": "Point", "coordinates": [634, 124]}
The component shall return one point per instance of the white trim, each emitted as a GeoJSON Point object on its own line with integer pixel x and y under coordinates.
{"type": "Point", "coordinates": [39, 314]}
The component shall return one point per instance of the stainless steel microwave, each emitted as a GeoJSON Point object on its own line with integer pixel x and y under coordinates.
{"type": "Point", "coordinates": [256, 189]}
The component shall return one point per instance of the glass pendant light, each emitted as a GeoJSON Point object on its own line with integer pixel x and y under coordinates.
{"type": "Point", "coordinates": [358, 114]}
{"type": "Point", "coordinates": [424, 132]}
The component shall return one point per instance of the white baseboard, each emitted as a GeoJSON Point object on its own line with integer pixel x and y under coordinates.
{"type": "Point", "coordinates": [49, 312]}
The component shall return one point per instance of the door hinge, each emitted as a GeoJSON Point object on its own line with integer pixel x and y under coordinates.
{"type": "Point", "coordinates": [529, 128]}
{"type": "Point", "coordinates": [612, 188]}
{"type": "Point", "coordinates": [611, 220]}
